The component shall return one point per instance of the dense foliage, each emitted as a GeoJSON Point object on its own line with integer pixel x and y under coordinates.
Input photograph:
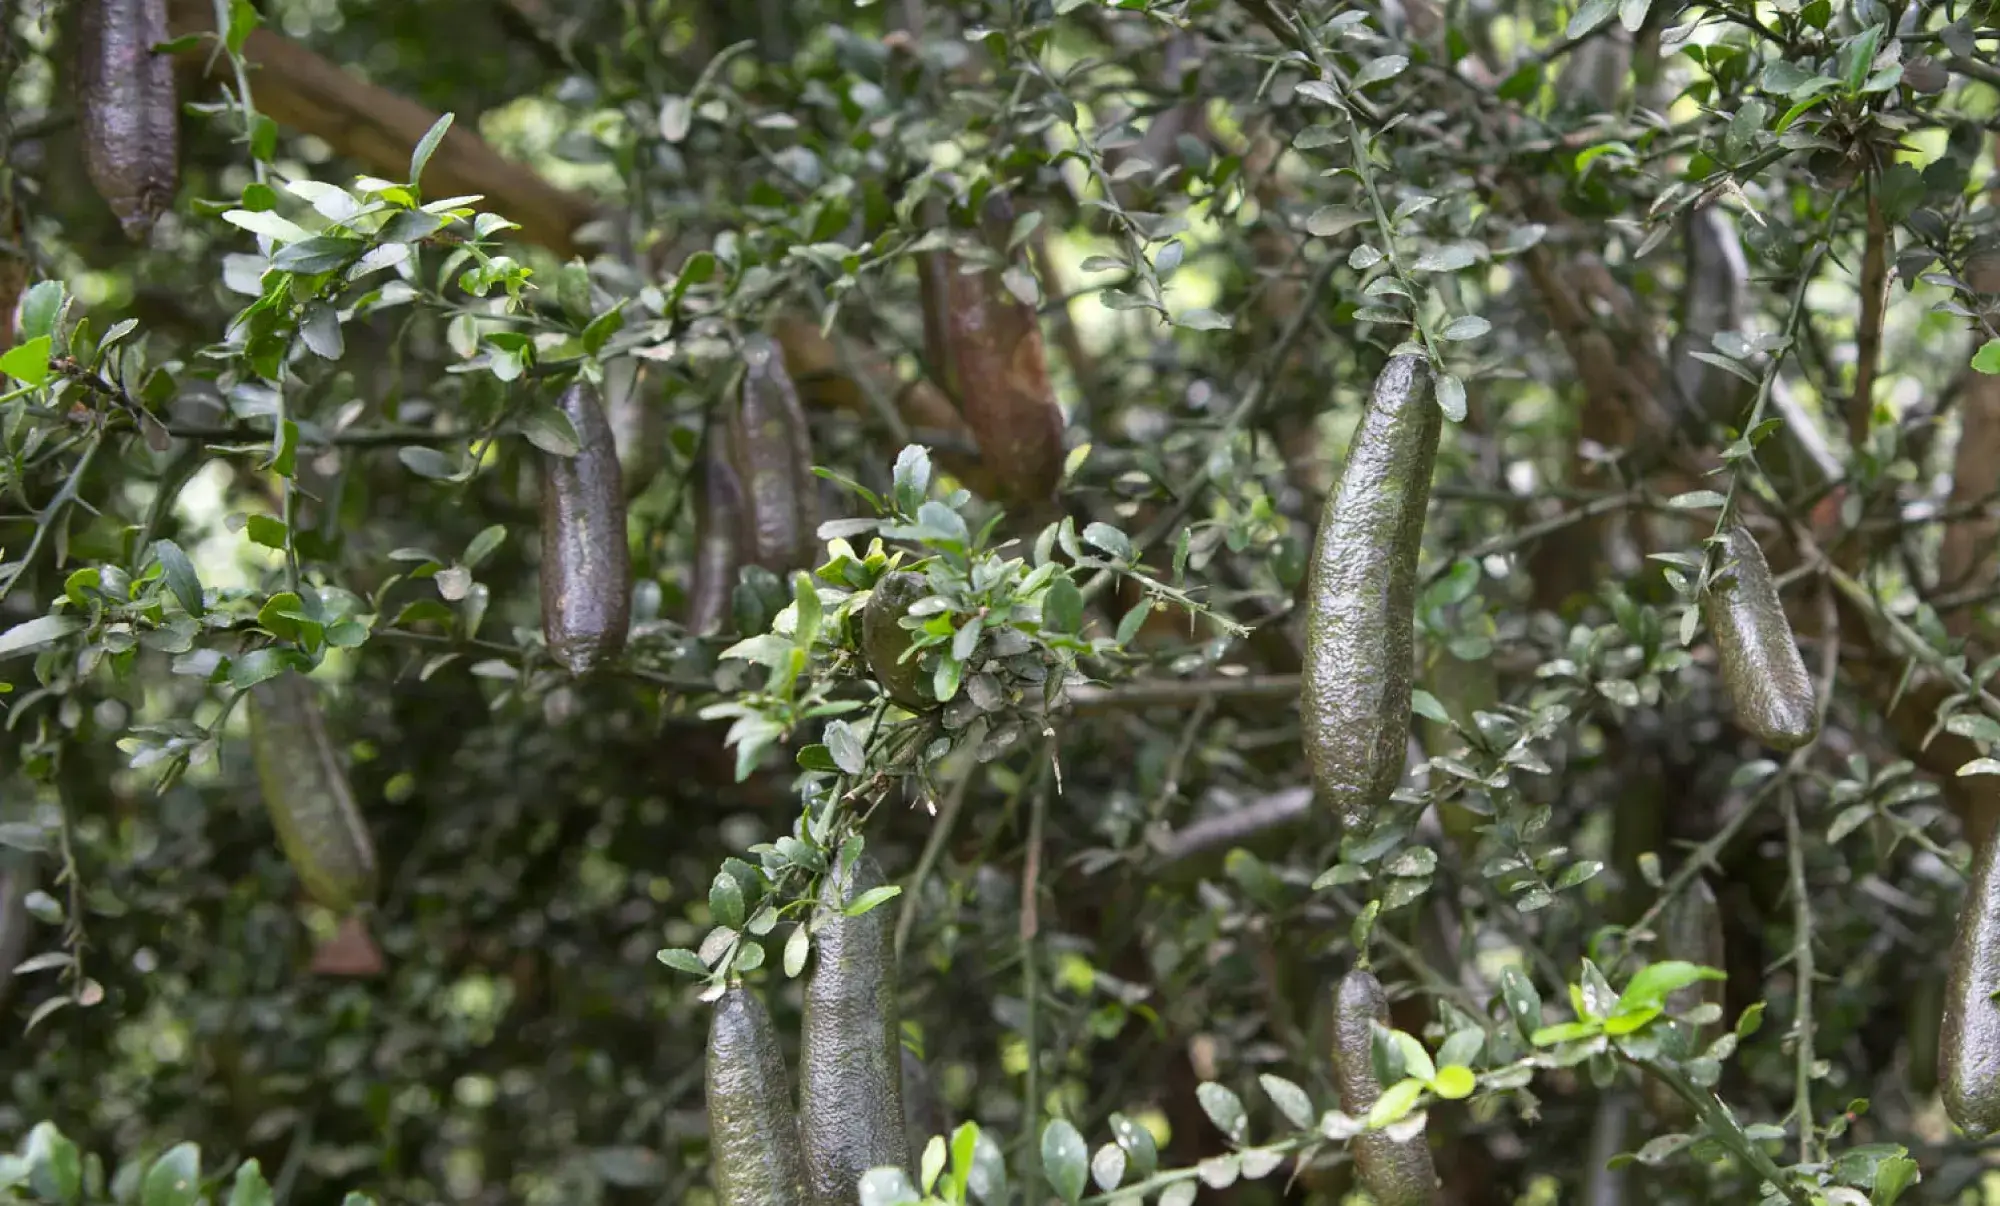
{"type": "Point", "coordinates": [1700, 743]}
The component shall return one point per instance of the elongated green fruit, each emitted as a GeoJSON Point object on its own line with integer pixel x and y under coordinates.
{"type": "Point", "coordinates": [1761, 667]}
{"type": "Point", "coordinates": [770, 443]}
{"type": "Point", "coordinates": [1394, 1174]}
{"type": "Point", "coordinates": [1969, 1046]}
{"type": "Point", "coordinates": [753, 1138]}
{"type": "Point", "coordinates": [720, 536]}
{"type": "Point", "coordinates": [884, 640]}
{"type": "Point", "coordinates": [586, 567]}
{"type": "Point", "coordinates": [1690, 931]}
{"type": "Point", "coordinates": [1355, 704]}
{"type": "Point", "coordinates": [306, 791]}
{"type": "Point", "coordinates": [130, 113]}
{"type": "Point", "coordinates": [851, 1069]}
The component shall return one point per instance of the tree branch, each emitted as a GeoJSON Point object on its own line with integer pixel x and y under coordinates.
{"type": "Point", "coordinates": [377, 128]}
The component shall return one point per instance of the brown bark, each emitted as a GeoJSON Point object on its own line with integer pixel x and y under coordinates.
{"type": "Point", "coordinates": [378, 129]}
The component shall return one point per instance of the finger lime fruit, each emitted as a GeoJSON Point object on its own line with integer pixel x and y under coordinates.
{"type": "Point", "coordinates": [129, 109]}
{"type": "Point", "coordinates": [997, 368]}
{"type": "Point", "coordinates": [586, 566]}
{"type": "Point", "coordinates": [753, 1137]}
{"type": "Point", "coordinates": [306, 791]}
{"type": "Point", "coordinates": [886, 643]}
{"type": "Point", "coordinates": [1761, 668]}
{"type": "Point", "coordinates": [1355, 701]}
{"type": "Point", "coordinates": [851, 1069]}
{"type": "Point", "coordinates": [772, 448]}
{"type": "Point", "coordinates": [1691, 932]}
{"type": "Point", "coordinates": [1394, 1173]}
{"type": "Point", "coordinates": [1969, 1045]}
{"type": "Point", "coordinates": [720, 536]}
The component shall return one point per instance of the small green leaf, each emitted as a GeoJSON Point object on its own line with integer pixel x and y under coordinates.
{"type": "Point", "coordinates": [1454, 1082]}
{"type": "Point", "coordinates": [39, 307]}
{"type": "Point", "coordinates": [725, 900]}
{"type": "Point", "coordinates": [250, 1188]}
{"type": "Point", "coordinates": [797, 947]}
{"type": "Point", "coordinates": [1065, 1159]}
{"type": "Point", "coordinates": [1589, 15]}
{"type": "Point", "coordinates": [426, 147]}
{"type": "Point", "coordinates": [683, 960]}
{"type": "Point", "coordinates": [33, 634]}
{"type": "Point", "coordinates": [1987, 358]}
{"type": "Point", "coordinates": [1451, 397]}
{"type": "Point", "coordinates": [1655, 981]}
{"type": "Point", "coordinates": [1395, 1103]}
{"type": "Point", "coordinates": [267, 530]}
{"type": "Point", "coordinates": [179, 574]}
{"type": "Point", "coordinates": [174, 1179]}
{"type": "Point", "coordinates": [871, 898]}
{"type": "Point", "coordinates": [28, 362]}
{"type": "Point", "coordinates": [1224, 1109]}
{"type": "Point", "coordinates": [550, 430]}
{"type": "Point", "coordinates": [1291, 1100]}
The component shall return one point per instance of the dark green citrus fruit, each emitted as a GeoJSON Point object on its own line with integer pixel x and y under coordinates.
{"type": "Point", "coordinates": [1393, 1173]}
{"type": "Point", "coordinates": [1361, 600]}
{"type": "Point", "coordinates": [721, 533]}
{"type": "Point", "coordinates": [851, 1067]}
{"type": "Point", "coordinates": [586, 565]}
{"type": "Point", "coordinates": [129, 109]}
{"type": "Point", "coordinates": [1969, 1041]}
{"type": "Point", "coordinates": [771, 446]}
{"type": "Point", "coordinates": [885, 641]}
{"type": "Point", "coordinates": [753, 1137]}
{"type": "Point", "coordinates": [306, 791]}
{"type": "Point", "coordinates": [1766, 679]}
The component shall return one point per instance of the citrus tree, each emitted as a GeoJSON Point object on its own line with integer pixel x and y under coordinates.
{"type": "Point", "coordinates": [1037, 600]}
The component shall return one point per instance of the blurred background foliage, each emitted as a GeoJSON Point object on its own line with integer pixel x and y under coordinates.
{"type": "Point", "coordinates": [1102, 918]}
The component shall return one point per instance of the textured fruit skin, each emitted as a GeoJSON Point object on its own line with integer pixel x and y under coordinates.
{"type": "Point", "coordinates": [884, 640]}
{"type": "Point", "coordinates": [851, 1063]}
{"type": "Point", "coordinates": [1969, 1045]}
{"type": "Point", "coordinates": [1394, 1174]}
{"type": "Point", "coordinates": [1761, 667]}
{"type": "Point", "coordinates": [771, 446]}
{"type": "Point", "coordinates": [754, 1153]}
{"type": "Point", "coordinates": [130, 113]}
{"type": "Point", "coordinates": [586, 567]}
{"type": "Point", "coordinates": [998, 370]}
{"type": "Point", "coordinates": [1355, 701]}
{"type": "Point", "coordinates": [1690, 930]}
{"type": "Point", "coordinates": [720, 536]}
{"type": "Point", "coordinates": [306, 790]}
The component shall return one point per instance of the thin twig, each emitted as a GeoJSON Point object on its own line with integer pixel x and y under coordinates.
{"type": "Point", "coordinates": [1182, 692]}
{"type": "Point", "coordinates": [1802, 971]}
{"type": "Point", "coordinates": [1868, 332]}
